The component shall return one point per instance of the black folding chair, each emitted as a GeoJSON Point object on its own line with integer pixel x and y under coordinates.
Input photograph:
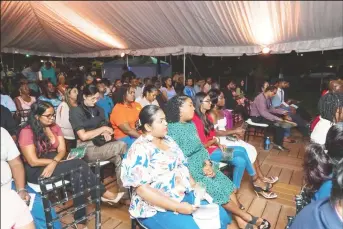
{"type": "Point", "coordinates": [53, 189]}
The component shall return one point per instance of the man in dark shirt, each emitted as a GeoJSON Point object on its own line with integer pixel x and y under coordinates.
{"type": "Point", "coordinates": [8, 123]}
{"type": "Point", "coordinates": [230, 102]}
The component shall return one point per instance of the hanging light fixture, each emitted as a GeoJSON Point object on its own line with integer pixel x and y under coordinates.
{"type": "Point", "coordinates": [266, 50]}
{"type": "Point", "coordinates": [122, 54]}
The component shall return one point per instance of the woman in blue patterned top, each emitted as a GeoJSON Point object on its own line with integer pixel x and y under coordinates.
{"type": "Point", "coordinates": [157, 170]}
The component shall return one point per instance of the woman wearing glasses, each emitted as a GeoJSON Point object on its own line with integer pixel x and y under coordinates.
{"type": "Point", "coordinates": [42, 145]}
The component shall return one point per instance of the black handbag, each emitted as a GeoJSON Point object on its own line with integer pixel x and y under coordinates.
{"type": "Point", "coordinates": [100, 139]}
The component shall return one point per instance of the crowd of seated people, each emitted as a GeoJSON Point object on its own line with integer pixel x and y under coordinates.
{"type": "Point", "coordinates": [162, 156]}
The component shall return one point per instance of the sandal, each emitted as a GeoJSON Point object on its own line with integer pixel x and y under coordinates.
{"type": "Point", "coordinates": [265, 194]}
{"type": "Point", "coordinates": [114, 201]}
{"type": "Point", "coordinates": [264, 225]}
{"type": "Point", "coordinates": [266, 188]}
{"type": "Point", "coordinates": [270, 180]}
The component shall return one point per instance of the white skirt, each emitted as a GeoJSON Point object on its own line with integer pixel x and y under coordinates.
{"type": "Point", "coordinates": [251, 150]}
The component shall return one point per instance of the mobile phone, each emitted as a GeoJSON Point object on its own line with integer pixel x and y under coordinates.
{"type": "Point", "coordinates": [231, 138]}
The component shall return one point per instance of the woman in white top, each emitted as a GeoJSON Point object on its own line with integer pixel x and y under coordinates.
{"type": "Point", "coordinates": [23, 102]}
{"type": "Point", "coordinates": [167, 90]}
{"type": "Point", "coordinates": [148, 97]}
{"type": "Point", "coordinates": [219, 121]}
{"type": "Point", "coordinates": [331, 112]}
{"type": "Point", "coordinates": [62, 116]}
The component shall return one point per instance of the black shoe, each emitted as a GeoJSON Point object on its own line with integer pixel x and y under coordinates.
{"type": "Point", "coordinates": [281, 148]}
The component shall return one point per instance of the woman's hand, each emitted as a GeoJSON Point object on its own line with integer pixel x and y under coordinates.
{"type": "Point", "coordinates": [222, 147]}
{"type": "Point", "coordinates": [185, 208]}
{"type": "Point", "coordinates": [24, 195]}
{"type": "Point", "coordinates": [239, 131]}
{"type": "Point", "coordinates": [49, 169]}
{"type": "Point", "coordinates": [107, 137]}
{"type": "Point", "coordinates": [107, 129]}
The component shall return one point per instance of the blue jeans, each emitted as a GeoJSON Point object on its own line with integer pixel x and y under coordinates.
{"type": "Point", "coordinates": [240, 162]}
{"type": "Point", "coordinates": [37, 210]}
{"type": "Point", "coordinates": [169, 220]}
{"type": "Point", "coordinates": [128, 140]}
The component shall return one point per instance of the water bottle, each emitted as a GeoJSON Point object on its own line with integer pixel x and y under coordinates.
{"type": "Point", "coordinates": [267, 143]}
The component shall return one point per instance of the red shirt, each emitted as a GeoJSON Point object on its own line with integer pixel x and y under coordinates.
{"type": "Point", "coordinates": [201, 132]}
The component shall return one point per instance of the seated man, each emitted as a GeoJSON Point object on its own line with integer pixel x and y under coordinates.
{"type": "Point", "coordinates": [12, 166]}
{"type": "Point", "coordinates": [278, 101]}
{"type": "Point", "coordinates": [261, 111]}
{"type": "Point", "coordinates": [325, 213]}
{"type": "Point", "coordinates": [104, 101]}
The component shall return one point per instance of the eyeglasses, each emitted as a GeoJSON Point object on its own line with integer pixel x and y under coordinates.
{"type": "Point", "coordinates": [50, 116]}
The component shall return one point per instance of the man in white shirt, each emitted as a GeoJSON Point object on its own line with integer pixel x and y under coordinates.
{"type": "Point", "coordinates": [12, 169]}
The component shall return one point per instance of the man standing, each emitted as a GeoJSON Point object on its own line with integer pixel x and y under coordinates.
{"type": "Point", "coordinates": [32, 75]}
{"type": "Point", "coordinates": [48, 72]}
{"type": "Point", "coordinates": [261, 111]}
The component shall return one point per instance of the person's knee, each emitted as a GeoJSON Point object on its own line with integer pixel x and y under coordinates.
{"type": "Point", "coordinates": [239, 162]}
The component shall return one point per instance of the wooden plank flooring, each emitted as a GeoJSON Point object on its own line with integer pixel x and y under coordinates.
{"type": "Point", "coordinates": [288, 166]}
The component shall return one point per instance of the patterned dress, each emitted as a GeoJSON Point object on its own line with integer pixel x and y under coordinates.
{"type": "Point", "coordinates": [165, 171]}
{"type": "Point", "coordinates": [185, 134]}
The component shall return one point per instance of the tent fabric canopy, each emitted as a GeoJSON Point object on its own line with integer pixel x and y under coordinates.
{"type": "Point", "coordinates": [160, 28]}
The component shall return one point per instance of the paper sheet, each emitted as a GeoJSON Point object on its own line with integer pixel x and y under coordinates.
{"type": "Point", "coordinates": [207, 216]}
{"type": "Point", "coordinates": [32, 195]}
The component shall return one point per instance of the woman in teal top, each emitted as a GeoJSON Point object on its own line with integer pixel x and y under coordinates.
{"type": "Point", "coordinates": [179, 113]}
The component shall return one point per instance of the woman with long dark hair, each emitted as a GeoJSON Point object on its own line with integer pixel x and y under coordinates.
{"type": "Point", "coordinates": [162, 184]}
{"type": "Point", "coordinates": [93, 131]}
{"type": "Point", "coordinates": [220, 126]}
{"type": "Point", "coordinates": [239, 158]}
{"type": "Point", "coordinates": [179, 114]}
{"type": "Point", "coordinates": [320, 160]}
{"type": "Point", "coordinates": [167, 89]}
{"type": "Point", "coordinates": [43, 147]}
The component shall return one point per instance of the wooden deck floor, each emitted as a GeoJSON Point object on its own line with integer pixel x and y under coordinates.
{"type": "Point", "coordinates": [288, 166]}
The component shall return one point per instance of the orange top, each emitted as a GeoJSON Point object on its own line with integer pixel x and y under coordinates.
{"type": "Point", "coordinates": [122, 113]}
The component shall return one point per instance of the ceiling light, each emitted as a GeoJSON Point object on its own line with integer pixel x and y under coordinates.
{"type": "Point", "coordinates": [301, 54]}
{"type": "Point", "coordinates": [265, 50]}
{"type": "Point", "coordinates": [122, 54]}
{"type": "Point", "coordinates": [331, 66]}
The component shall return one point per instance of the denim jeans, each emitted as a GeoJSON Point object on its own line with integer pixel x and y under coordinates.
{"type": "Point", "coordinates": [37, 210]}
{"type": "Point", "coordinates": [240, 162]}
{"type": "Point", "coordinates": [128, 140]}
{"type": "Point", "coordinates": [169, 220]}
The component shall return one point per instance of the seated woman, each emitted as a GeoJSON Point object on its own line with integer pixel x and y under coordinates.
{"type": "Point", "coordinates": [167, 89]}
{"type": "Point", "coordinates": [319, 161]}
{"type": "Point", "coordinates": [49, 94]}
{"type": "Point", "coordinates": [124, 116]}
{"type": "Point", "coordinates": [204, 124]}
{"type": "Point", "coordinates": [220, 126]}
{"type": "Point", "coordinates": [89, 124]}
{"type": "Point", "coordinates": [149, 96]}
{"type": "Point", "coordinates": [162, 184]}
{"type": "Point", "coordinates": [331, 112]}
{"type": "Point", "coordinates": [23, 102]}
{"type": "Point", "coordinates": [43, 147]}
{"type": "Point", "coordinates": [62, 117]}
{"type": "Point", "coordinates": [179, 114]}
{"type": "Point", "coordinates": [326, 213]}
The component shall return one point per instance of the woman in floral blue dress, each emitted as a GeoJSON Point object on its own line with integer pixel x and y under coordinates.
{"type": "Point", "coordinates": [156, 168]}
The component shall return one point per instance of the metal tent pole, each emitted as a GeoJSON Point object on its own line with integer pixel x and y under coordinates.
{"type": "Point", "coordinates": [127, 60]}
{"type": "Point", "coordinates": [184, 67]}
